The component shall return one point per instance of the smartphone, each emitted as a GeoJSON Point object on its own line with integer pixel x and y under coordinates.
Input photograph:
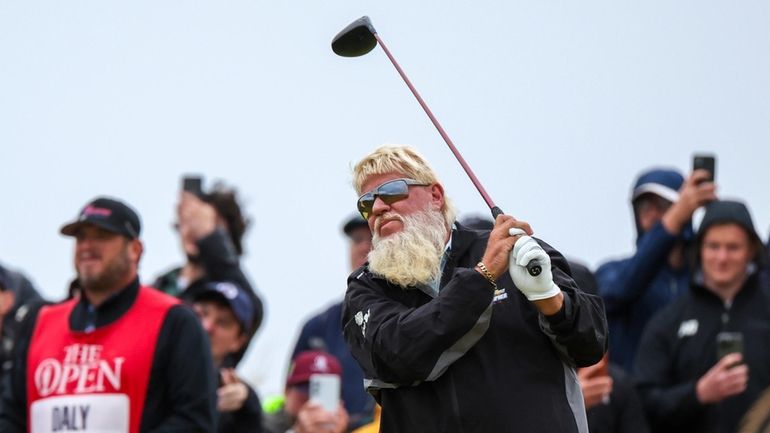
{"type": "Point", "coordinates": [193, 184]}
{"type": "Point", "coordinates": [729, 342]}
{"type": "Point", "coordinates": [325, 390]}
{"type": "Point", "coordinates": [705, 162]}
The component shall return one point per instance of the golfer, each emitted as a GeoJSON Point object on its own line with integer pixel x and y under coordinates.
{"type": "Point", "coordinates": [452, 332]}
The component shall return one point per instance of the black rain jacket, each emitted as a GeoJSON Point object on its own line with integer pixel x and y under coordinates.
{"type": "Point", "coordinates": [473, 359]}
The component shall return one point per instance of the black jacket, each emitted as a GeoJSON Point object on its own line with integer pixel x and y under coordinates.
{"type": "Point", "coordinates": [463, 362]}
{"type": "Point", "coordinates": [247, 419]}
{"type": "Point", "coordinates": [623, 412]}
{"type": "Point", "coordinates": [181, 390]}
{"type": "Point", "coordinates": [221, 263]}
{"type": "Point", "coordinates": [679, 347]}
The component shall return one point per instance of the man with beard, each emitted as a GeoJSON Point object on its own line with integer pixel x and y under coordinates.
{"type": "Point", "coordinates": [448, 340]}
{"type": "Point", "coordinates": [120, 357]}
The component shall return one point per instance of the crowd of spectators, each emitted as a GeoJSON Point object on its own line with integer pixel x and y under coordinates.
{"type": "Point", "coordinates": [688, 314]}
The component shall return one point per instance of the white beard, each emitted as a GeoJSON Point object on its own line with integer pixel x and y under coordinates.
{"type": "Point", "coordinates": [413, 255]}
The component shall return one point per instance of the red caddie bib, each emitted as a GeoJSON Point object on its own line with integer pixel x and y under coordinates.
{"type": "Point", "coordinates": [93, 382]}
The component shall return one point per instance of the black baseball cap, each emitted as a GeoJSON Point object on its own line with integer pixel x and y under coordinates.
{"type": "Point", "coordinates": [109, 214]}
{"type": "Point", "coordinates": [355, 222]}
{"type": "Point", "coordinates": [234, 296]}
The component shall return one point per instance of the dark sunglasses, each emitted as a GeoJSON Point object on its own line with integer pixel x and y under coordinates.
{"type": "Point", "coordinates": [389, 192]}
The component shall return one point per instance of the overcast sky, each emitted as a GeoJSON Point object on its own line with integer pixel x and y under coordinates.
{"type": "Point", "coordinates": [555, 105]}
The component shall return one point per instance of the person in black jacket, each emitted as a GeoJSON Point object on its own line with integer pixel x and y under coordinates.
{"type": "Point", "coordinates": [323, 332]}
{"type": "Point", "coordinates": [226, 314]}
{"type": "Point", "coordinates": [119, 356]}
{"type": "Point", "coordinates": [452, 332]}
{"type": "Point", "coordinates": [612, 404]}
{"type": "Point", "coordinates": [211, 226]}
{"type": "Point", "coordinates": [17, 296]}
{"type": "Point", "coordinates": [704, 359]}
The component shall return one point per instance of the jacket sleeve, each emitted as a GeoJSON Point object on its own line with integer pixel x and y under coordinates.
{"type": "Point", "coordinates": [13, 402]}
{"type": "Point", "coordinates": [579, 329]}
{"type": "Point", "coordinates": [398, 344]}
{"type": "Point", "coordinates": [183, 362]}
{"type": "Point", "coordinates": [247, 419]}
{"type": "Point", "coordinates": [625, 404]}
{"type": "Point", "coordinates": [222, 263]}
{"type": "Point", "coordinates": [666, 402]}
{"type": "Point", "coordinates": [622, 282]}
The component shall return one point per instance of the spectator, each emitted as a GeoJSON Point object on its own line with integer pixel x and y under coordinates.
{"type": "Point", "coordinates": [17, 294]}
{"type": "Point", "coordinates": [297, 414]}
{"type": "Point", "coordinates": [477, 222]}
{"type": "Point", "coordinates": [211, 229]}
{"type": "Point", "coordinates": [324, 332]}
{"type": "Point", "coordinates": [584, 278]}
{"type": "Point", "coordinates": [84, 364]}
{"type": "Point", "coordinates": [450, 336]}
{"type": "Point", "coordinates": [612, 404]}
{"type": "Point", "coordinates": [226, 314]}
{"type": "Point", "coordinates": [635, 288]}
{"type": "Point", "coordinates": [687, 378]}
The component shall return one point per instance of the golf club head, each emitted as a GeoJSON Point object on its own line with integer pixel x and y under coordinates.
{"type": "Point", "coordinates": [356, 39]}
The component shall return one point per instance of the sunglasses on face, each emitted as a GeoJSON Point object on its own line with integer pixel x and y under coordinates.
{"type": "Point", "coordinates": [389, 192]}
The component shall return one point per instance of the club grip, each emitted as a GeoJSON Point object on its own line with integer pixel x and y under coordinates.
{"type": "Point", "coordinates": [534, 268]}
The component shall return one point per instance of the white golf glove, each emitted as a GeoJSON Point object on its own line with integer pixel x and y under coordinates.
{"type": "Point", "coordinates": [526, 250]}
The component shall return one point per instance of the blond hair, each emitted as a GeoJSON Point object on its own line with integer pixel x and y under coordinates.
{"type": "Point", "coordinates": [400, 159]}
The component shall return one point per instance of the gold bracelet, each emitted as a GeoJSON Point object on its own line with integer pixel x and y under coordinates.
{"type": "Point", "coordinates": [485, 272]}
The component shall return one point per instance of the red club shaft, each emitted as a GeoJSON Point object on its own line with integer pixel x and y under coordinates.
{"type": "Point", "coordinates": [441, 131]}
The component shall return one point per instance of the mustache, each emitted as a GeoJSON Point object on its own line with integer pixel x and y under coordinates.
{"type": "Point", "coordinates": [89, 255]}
{"type": "Point", "coordinates": [382, 219]}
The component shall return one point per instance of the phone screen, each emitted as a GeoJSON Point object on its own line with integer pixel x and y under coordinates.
{"type": "Point", "coordinates": [729, 342]}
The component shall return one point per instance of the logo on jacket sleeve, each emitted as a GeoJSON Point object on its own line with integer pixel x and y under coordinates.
{"type": "Point", "coordinates": [500, 296]}
{"type": "Point", "coordinates": [362, 320]}
{"type": "Point", "coordinates": [688, 328]}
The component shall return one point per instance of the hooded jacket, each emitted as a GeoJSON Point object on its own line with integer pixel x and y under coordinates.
{"type": "Point", "coordinates": [637, 287]}
{"type": "Point", "coordinates": [680, 344]}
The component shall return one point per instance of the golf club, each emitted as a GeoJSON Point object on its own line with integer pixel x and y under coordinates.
{"type": "Point", "coordinates": [358, 39]}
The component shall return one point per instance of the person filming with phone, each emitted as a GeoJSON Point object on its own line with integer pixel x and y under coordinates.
{"type": "Point", "coordinates": [704, 359]}
{"type": "Point", "coordinates": [311, 402]}
{"type": "Point", "coordinates": [452, 331]}
{"type": "Point", "coordinates": [211, 225]}
{"type": "Point", "coordinates": [636, 287]}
